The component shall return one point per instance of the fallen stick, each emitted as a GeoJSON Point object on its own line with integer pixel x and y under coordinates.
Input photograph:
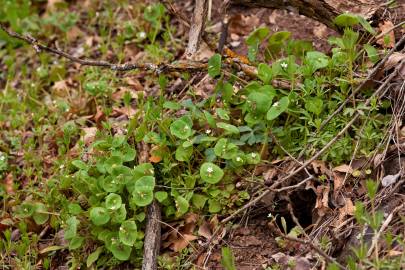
{"type": "Point", "coordinates": [151, 246]}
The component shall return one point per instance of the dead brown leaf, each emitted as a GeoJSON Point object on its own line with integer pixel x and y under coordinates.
{"type": "Point", "coordinates": [384, 27]}
{"type": "Point", "coordinates": [9, 184]}
{"type": "Point", "coordinates": [322, 200]}
{"type": "Point", "coordinates": [320, 167]}
{"type": "Point", "coordinates": [343, 169]}
{"type": "Point", "coordinates": [204, 230]}
{"type": "Point", "coordinates": [89, 135]}
{"type": "Point", "coordinates": [243, 25]}
{"type": "Point", "coordinates": [182, 242]}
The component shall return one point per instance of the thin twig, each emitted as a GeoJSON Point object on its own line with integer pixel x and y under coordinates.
{"type": "Point", "coordinates": [383, 227]}
{"type": "Point", "coordinates": [197, 27]}
{"type": "Point", "coordinates": [328, 258]}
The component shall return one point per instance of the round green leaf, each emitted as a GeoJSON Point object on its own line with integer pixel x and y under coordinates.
{"type": "Point", "coordinates": [214, 65]}
{"type": "Point", "coordinates": [144, 169]}
{"type": "Point", "coordinates": [128, 232]}
{"type": "Point", "coordinates": [239, 159]}
{"type": "Point", "coordinates": [224, 149]}
{"type": "Point", "coordinates": [113, 162]}
{"type": "Point", "coordinates": [253, 158]}
{"type": "Point", "coordinates": [40, 215]}
{"type": "Point", "coordinates": [230, 129]}
{"type": "Point", "coordinates": [26, 210]}
{"type": "Point", "coordinates": [264, 73]}
{"type": "Point", "coordinates": [214, 206]}
{"type": "Point", "coordinates": [79, 164]}
{"type": "Point", "coordinates": [110, 183]}
{"type": "Point", "coordinates": [346, 19]}
{"type": "Point", "coordinates": [142, 197]}
{"type": "Point", "coordinates": [99, 216]}
{"type": "Point", "coordinates": [113, 201]}
{"type": "Point", "coordinates": [145, 183]}
{"type": "Point", "coordinates": [75, 242]}
{"type": "Point", "coordinates": [161, 196]}
{"type": "Point", "coordinates": [314, 105]}
{"type": "Point", "coordinates": [120, 215]}
{"type": "Point", "coordinates": [71, 228]}
{"type": "Point", "coordinates": [182, 205]}
{"type": "Point", "coordinates": [181, 129]}
{"type": "Point", "coordinates": [316, 60]}
{"type": "Point", "coordinates": [259, 101]}
{"type": "Point", "coordinates": [183, 153]}
{"type": "Point", "coordinates": [277, 108]}
{"type": "Point", "coordinates": [120, 250]}
{"type": "Point", "coordinates": [211, 173]}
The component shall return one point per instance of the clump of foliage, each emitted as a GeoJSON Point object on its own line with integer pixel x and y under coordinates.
{"type": "Point", "coordinates": [199, 146]}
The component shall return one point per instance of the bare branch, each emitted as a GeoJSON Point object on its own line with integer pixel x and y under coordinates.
{"type": "Point", "coordinates": [197, 27]}
{"type": "Point", "coordinates": [161, 68]}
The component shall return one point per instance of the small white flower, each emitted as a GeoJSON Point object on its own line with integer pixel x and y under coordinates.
{"type": "Point", "coordinates": [275, 104]}
{"type": "Point", "coordinates": [269, 215]}
{"type": "Point", "coordinates": [210, 170]}
{"type": "Point", "coordinates": [142, 34]}
{"type": "Point", "coordinates": [61, 166]}
{"type": "Point", "coordinates": [253, 155]}
{"type": "Point", "coordinates": [238, 159]}
{"type": "Point", "coordinates": [284, 65]}
{"type": "Point", "coordinates": [208, 131]}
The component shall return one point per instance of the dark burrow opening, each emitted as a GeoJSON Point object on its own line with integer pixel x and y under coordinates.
{"type": "Point", "coordinates": [302, 203]}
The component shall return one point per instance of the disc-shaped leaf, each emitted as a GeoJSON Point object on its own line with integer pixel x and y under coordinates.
{"type": "Point", "coordinates": [211, 173]}
{"type": "Point", "coordinates": [199, 200]}
{"type": "Point", "coordinates": [71, 228]}
{"type": "Point", "coordinates": [260, 101]}
{"type": "Point", "coordinates": [40, 215]}
{"type": "Point", "coordinates": [113, 201]}
{"type": "Point", "coordinates": [183, 153]}
{"type": "Point", "coordinates": [230, 129]}
{"type": "Point", "coordinates": [214, 65]}
{"type": "Point", "coordinates": [76, 242]}
{"type": "Point", "coordinates": [314, 105]}
{"type": "Point", "coordinates": [161, 196]}
{"type": "Point", "coordinates": [145, 183]}
{"type": "Point", "coordinates": [224, 149]}
{"type": "Point", "coordinates": [316, 60]}
{"type": "Point", "coordinates": [239, 159]}
{"type": "Point", "coordinates": [181, 129]}
{"type": "Point", "coordinates": [277, 108]}
{"type": "Point", "coordinates": [139, 171]}
{"type": "Point", "coordinates": [142, 197]}
{"type": "Point", "coordinates": [264, 73]}
{"type": "Point", "coordinates": [120, 250]}
{"type": "Point", "coordinates": [119, 215]}
{"type": "Point", "coordinates": [128, 232]}
{"type": "Point", "coordinates": [346, 19]}
{"type": "Point", "coordinates": [99, 216]}
{"type": "Point", "coordinates": [253, 158]}
{"type": "Point", "coordinates": [26, 210]}
{"type": "Point", "coordinates": [113, 162]}
{"type": "Point", "coordinates": [182, 205]}
{"type": "Point", "coordinates": [110, 183]}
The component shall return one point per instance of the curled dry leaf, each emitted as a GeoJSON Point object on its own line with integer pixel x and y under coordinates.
{"type": "Point", "coordinates": [182, 242]}
{"type": "Point", "coordinates": [343, 169]}
{"type": "Point", "coordinates": [322, 200]}
{"type": "Point", "coordinates": [384, 27]}
{"type": "Point", "coordinates": [204, 230]}
{"type": "Point", "coordinates": [393, 61]}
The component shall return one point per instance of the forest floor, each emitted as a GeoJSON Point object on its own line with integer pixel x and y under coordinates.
{"type": "Point", "coordinates": [65, 128]}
